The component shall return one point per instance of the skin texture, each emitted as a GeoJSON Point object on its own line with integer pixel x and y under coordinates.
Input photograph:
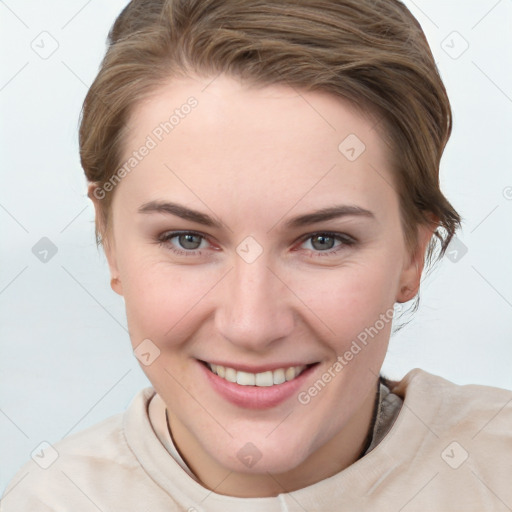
{"type": "Point", "coordinates": [252, 158]}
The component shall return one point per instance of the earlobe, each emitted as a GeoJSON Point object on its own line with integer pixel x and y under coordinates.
{"type": "Point", "coordinates": [115, 284]}
{"type": "Point", "coordinates": [110, 253]}
{"type": "Point", "coordinates": [406, 293]}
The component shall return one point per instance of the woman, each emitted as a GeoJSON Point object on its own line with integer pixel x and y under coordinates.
{"type": "Point", "coordinates": [266, 183]}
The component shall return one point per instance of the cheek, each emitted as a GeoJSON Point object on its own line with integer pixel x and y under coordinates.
{"type": "Point", "coordinates": [160, 298]}
{"type": "Point", "coordinates": [352, 297]}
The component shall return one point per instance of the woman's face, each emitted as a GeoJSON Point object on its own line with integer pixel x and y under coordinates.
{"type": "Point", "coordinates": [259, 230]}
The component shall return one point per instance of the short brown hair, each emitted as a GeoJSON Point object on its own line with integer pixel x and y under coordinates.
{"type": "Point", "coordinates": [370, 52]}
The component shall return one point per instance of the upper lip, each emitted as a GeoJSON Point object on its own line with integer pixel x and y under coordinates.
{"type": "Point", "coordinates": [258, 368]}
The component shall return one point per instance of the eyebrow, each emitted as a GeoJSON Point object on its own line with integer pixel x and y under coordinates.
{"type": "Point", "coordinates": [180, 211]}
{"type": "Point", "coordinates": [302, 220]}
{"type": "Point", "coordinates": [332, 212]}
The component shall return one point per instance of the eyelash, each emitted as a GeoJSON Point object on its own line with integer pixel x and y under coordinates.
{"type": "Point", "coordinates": [347, 241]}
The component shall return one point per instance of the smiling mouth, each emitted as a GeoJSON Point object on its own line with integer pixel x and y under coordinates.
{"type": "Point", "coordinates": [263, 379]}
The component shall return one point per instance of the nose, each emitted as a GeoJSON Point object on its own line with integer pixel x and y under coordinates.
{"type": "Point", "coordinates": [255, 307]}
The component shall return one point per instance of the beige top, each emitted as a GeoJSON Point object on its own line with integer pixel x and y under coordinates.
{"type": "Point", "coordinates": [449, 449]}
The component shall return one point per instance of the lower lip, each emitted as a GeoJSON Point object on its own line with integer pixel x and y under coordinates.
{"type": "Point", "coordinates": [256, 397]}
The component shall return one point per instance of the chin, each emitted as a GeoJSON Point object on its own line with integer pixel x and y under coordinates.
{"type": "Point", "coordinates": [263, 456]}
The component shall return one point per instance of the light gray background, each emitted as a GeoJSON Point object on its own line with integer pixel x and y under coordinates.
{"type": "Point", "coordinates": [65, 357]}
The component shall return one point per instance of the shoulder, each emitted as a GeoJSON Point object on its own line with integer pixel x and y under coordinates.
{"type": "Point", "coordinates": [76, 467]}
{"type": "Point", "coordinates": [472, 404]}
{"type": "Point", "coordinates": [463, 425]}
{"type": "Point", "coordinates": [449, 447]}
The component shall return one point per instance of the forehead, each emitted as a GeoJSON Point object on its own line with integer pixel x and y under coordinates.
{"type": "Point", "coordinates": [219, 136]}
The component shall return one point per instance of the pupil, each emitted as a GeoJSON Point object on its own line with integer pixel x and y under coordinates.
{"type": "Point", "coordinates": [190, 241]}
{"type": "Point", "coordinates": [322, 242]}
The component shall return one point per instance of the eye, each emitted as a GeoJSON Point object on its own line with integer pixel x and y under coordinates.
{"type": "Point", "coordinates": [327, 242]}
{"type": "Point", "coordinates": [183, 242]}
{"type": "Point", "coordinates": [189, 241]}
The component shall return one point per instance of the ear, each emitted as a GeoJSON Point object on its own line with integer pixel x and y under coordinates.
{"type": "Point", "coordinates": [96, 194]}
{"type": "Point", "coordinates": [411, 274]}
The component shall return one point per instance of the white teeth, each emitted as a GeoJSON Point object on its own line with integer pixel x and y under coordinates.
{"type": "Point", "coordinates": [230, 374]}
{"type": "Point", "coordinates": [262, 379]}
{"type": "Point", "coordinates": [289, 373]}
{"type": "Point", "coordinates": [279, 376]}
{"type": "Point", "coordinates": [245, 379]}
